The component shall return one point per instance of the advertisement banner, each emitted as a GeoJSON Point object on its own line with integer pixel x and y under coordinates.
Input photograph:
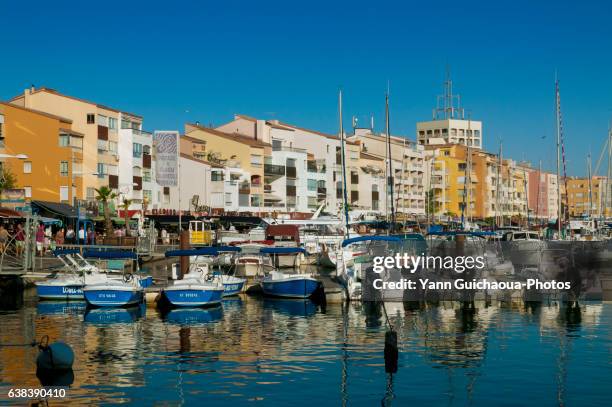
{"type": "Point", "coordinates": [166, 164]}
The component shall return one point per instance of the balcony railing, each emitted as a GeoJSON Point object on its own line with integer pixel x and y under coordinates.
{"type": "Point", "coordinates": [272, 169]}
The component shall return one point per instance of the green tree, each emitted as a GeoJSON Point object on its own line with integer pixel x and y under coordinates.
{"type": "Point", "coordinates": [8, 180]}
{"type": "Point", "coordinates": [105, 196]}
{"type": "Point", "coordinates": [125, 206]}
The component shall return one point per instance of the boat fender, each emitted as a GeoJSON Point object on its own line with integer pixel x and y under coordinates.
{"type": "Point", "coordinates": [54, 356]}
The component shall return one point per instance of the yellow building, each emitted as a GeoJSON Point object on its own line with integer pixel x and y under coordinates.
{"type": "Point", "coordinates": [584, 198]}
{"type": "Point", "coordinates": [52, 170]}
{"type": "Point", "coordinates": [99, 126]}
{"type": "Point", "coordinates": [459, 186]}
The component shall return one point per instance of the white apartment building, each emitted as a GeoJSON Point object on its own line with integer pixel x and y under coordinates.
{"type": "Point", "coordinates": [319, 154]}
{"type": "Point", "coordinates": [136, 165]}
{"type": "Point", "coordinates": [408, 165]}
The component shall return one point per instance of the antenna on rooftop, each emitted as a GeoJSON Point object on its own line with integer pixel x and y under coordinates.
{"type": "Point", "coordinates": [448, 105]}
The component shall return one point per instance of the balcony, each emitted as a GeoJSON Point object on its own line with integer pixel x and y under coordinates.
{"type": "Point", "coordinates": [291, 172]}
{"type": "Point", "coordinates": [322, 191]}
{"type": "Point", "coordinates": [274, 170]}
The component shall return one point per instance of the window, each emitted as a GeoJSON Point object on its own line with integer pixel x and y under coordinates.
{"type": "Point", "coordinates": [112, 147]}
{"type": "Point", "coordinates": [91, 118]}
{"type": "Point", "coordinates": [255, 200]}
{"type": "Point", "coordinates": [102, 120]}
{"type": "Point", "coordinates": [101, 170]}
{"type": "Point", "coordinates": [27, 167]}
{"type": "Point", "coordinates": [312, 184]}
{"type": "Point", "coordinates": [64, 140]}
{"type": "Point", "coordinates": [27, 192]}
{"type": "Point", "coordinates": [147, 195]}
{"type": "Point", "coordinates": [216, 176]}
{"type": "Point", "coordinates": [146, 149]}
{"type": "Point", "coordinates": [91, 193]}
{"type": "Point", "coordinates": [64, 194]}
{"type": "Point", "coordinates": [228, 198]}
{"type": "Point", "coordinates": [277, 145]}
{"type": "Point", "coordinates": [137, 150]}
{"type": "Point", "coordinates": [112, 123]}
{"type": "Point", "coordinates": [146, 175]}
{"type": "Point", "coordinates": [256, 160]}
{"type": "Point", "coordinates": [64, 168]}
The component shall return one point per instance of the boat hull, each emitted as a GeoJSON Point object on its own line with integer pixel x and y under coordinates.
{"type": "Point", "coordinates": [112, 297]}
{"type": "Point", "coordinates": [67, 292]}
{"type": "Point", "coordinates": [193, 297]}
{"type": "Point", "coordinates": [302, 287]}
{"type": "Point", "coordinates": [233, 286]}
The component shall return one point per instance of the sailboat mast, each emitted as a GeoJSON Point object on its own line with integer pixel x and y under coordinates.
{"type": "Point", "coordinates": [389, 160]}
{"type": "Point", "coordinates": [590, 187]}
{"type": "Point", "coordinates": [558, 119]}
{"type": "Point", "coordinates": [342, 154]}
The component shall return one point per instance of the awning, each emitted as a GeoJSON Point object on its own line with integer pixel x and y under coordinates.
{"type": "Point", "coordinates": [60, 209]}
{"type": "Point", "coordinates": [10, 214]}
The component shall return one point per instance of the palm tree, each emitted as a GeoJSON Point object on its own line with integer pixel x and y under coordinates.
{"type": "Point", "coordinates": [105, 195]}
{"type": "Point", "coordinates": [125, 206]}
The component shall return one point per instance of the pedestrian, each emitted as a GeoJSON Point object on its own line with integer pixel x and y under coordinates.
{"type": "Point", "coordinates": [4, 238]}
{"type": "Point", "coordinates": [91, 236]}
{"type": "Point", "coordinates": [81, 235]}
{"type": "Point", "coordinates": [59, 237]}
{"type": "Point", "coordinates": [40, 239]}
{"type": "Point", "coordinates": [70, 235]}
{"type": "Point", "coordinates": [19, 240]}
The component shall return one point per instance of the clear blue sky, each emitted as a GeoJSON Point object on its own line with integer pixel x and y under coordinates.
{"type": "Point", "coordinates": [183, 61]}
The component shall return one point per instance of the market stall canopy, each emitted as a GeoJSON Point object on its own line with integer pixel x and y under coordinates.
{"type": "Point", "coordinates": [55, 208]}
{"type": "Point", "coordinates": [10, 214]}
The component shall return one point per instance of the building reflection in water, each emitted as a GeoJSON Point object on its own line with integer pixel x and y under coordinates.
{"type": "Point", "coordinates": [252, 348]}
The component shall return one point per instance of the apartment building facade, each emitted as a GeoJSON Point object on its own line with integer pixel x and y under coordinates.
{"type": "Point", "coordinates": [407, 163]}
{"type": "Point", "coordinates": [322, 153]}
{"type": "Point", "coordinates": [43, 152]}
{"type": "Point", "coordinates": [100, 127]}
{"type": "Point", "coordinates": [245, 161]}
{"type": "Point", "coordinates": [587, 197]}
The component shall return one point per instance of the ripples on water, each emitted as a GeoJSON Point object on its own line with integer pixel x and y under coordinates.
{"type": "Point", "coordinates": [280, 352]}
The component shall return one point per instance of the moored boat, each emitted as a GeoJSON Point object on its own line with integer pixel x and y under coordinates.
{"type": "Point", "coordinates": [288, 285]}
{"type": "Point", "coordinates": [197, 288]}
{"type": "Point", "coordinates": [114, 293]}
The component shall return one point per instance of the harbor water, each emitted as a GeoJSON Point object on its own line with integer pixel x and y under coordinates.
{"type": "Point", "coordinates": [279, 352]}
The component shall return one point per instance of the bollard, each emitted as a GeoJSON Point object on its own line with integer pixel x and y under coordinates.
{"type": "Point", "coordinates": [391, 352]}
{"type": "Point", "coordinates": [184, 244]}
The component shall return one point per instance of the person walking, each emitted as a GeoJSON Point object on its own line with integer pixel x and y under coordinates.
{"type": "Point", "coordinates": [4, 238]}
{"type": "Point", "coordinates": [19, 240]}
{"type": "Point", "coordinates": [59, 237]}
{"type": "Point", "coordinates": [40, 239]}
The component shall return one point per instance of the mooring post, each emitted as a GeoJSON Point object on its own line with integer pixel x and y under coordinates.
{"type": "Point", "coordinates": [184, 245]}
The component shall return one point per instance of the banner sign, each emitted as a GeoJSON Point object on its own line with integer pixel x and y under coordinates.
{"type": "Point", "coordinates": [166, 163]}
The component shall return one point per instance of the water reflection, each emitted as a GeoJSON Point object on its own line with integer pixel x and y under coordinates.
{"type": "Point", "coordinates": [284, 351]}
{"type": "Point", "coordinates": [115, 315]}
{"type": "Point", "coordinates": [189, 316]}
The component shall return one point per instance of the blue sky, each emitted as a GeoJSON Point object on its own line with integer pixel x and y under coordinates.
{"type": "Point", "coordinates": [199, 60]}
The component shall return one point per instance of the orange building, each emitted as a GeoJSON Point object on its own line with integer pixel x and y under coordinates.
{"type": "Point", "coordinates": [52, 168]}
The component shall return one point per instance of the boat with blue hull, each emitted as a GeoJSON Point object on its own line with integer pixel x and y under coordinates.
{"type": "Point", "coordinates": [114, 293]}
{"type": "Point", "coordinates": [197, 288]}
{"type": "Point", "coordinates": [68, 286]}
{"type": "Point", "coordinates": [232, 285]}
{"type": "Point", "coordinates": [288, 285]}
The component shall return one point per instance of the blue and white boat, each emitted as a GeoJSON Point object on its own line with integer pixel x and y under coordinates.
{"type": "Point", "coordinates": [109, 291]}
{"type": "Point", "coordinates": [288, 285]}
{"type": "Point", "coordinates": [114, 293]}
{"type": "Point", "coordinates": [232, 285]}
{"type": "Point", "coordinates": [67, 286]}
{"type": "Point", "coordinates": [197, 288]}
